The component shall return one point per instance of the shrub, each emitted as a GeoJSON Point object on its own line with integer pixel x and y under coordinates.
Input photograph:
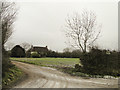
{"type": "Point", "coordinates": [78, 67]}
{"type": "Point", "coordinates": [100, 62]}
{"type": "Point", "coordinates": [35, 55]}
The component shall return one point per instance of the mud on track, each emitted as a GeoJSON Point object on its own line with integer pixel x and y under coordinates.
{"type": "Point", "coordinates": [45, 77]}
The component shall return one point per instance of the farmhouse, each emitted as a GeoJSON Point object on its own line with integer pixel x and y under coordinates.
{"type": "Point", "coordinates": [42, 51]}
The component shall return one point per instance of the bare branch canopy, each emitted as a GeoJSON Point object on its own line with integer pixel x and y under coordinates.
{"type": "Point", "coordinates": [82, 29]}
{"type": "Point", "coordinates": [7, 13]}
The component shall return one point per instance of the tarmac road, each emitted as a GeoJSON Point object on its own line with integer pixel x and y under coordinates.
{"type": "Point", "coordinates": [45, 77]}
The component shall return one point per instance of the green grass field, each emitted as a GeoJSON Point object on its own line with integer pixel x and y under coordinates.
{"type": "Point", "coordinates": [62, 62]}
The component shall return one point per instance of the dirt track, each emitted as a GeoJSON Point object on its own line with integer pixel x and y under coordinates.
{"type": "Point", "coordinates": [45, 77]}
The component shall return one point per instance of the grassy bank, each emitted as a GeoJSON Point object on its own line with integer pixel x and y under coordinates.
{"type": "Point", "coordinates": [11, 76]}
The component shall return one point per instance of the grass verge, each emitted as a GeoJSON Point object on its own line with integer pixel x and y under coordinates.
{"type": "Point", "coordinates": [11, 77]}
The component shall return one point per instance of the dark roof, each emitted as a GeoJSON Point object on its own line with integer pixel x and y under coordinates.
{"type": "Point", "coordinates": [18, 46]}
{"type": "Point", "coordinates": [39, 49]}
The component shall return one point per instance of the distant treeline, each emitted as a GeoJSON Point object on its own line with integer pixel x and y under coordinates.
{"type": "Point", "coordinates": [73, 54]}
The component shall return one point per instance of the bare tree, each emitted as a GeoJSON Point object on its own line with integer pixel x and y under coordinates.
{"type": "Point", "coordinates": [26, 46]}
{"type": "Point", "coordinates": [7, 16]}
{"type": "Point", "coordinates": [83, 29]}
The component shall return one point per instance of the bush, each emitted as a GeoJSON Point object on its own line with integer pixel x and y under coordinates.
{"type": "Point", "coordinates": [78, 67]}
{"type": "Point", "coordinates": [100, 62]}
{"type": "Point", "coordinates": [35, 55]}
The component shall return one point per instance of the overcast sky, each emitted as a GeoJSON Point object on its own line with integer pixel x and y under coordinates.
{"type": "Point", "coordinates": [42, 23]}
